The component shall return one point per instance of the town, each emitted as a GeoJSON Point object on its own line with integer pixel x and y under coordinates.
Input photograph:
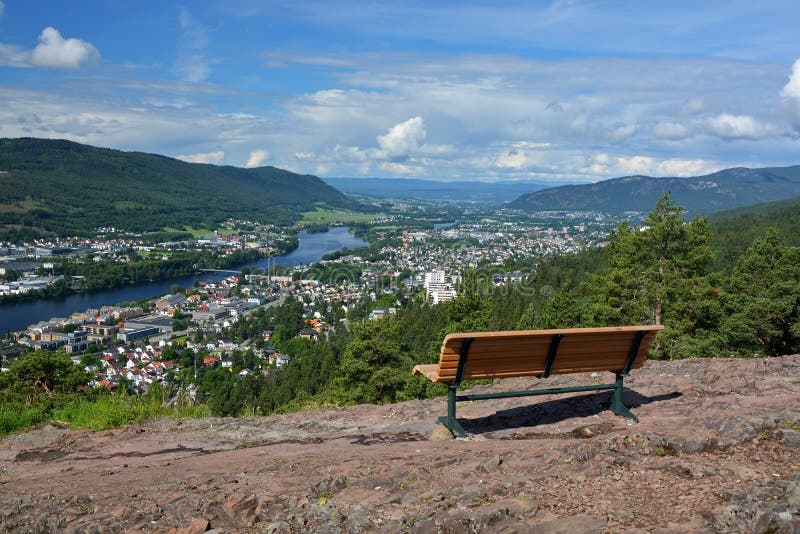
{"type": "Point", "coordinates": [142, 344]}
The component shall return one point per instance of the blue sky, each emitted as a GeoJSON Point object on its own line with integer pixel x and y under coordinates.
{"type": "Point", "coordinates": [555, 91]}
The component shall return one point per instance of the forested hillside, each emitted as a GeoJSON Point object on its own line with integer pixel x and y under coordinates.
{"type": "Point", "coordinates": [734, 230]}
{"type": "Point", "coordinates": [726, 189]}
{"type": "Point", "coordinates": [64, 188]}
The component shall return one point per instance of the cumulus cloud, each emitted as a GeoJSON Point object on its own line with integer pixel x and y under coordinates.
{"type": "Point", "coordinates": [670, 130]}
{"type": "Point", "coordinates": [203, 157]}
{"type": "Point", "coordinates": [257, 158]}
{"type": "Point", "coordinates": [53, 51]}
{"type": "Point", "coordinates": [404, 138]}
{"type": "Point", "coordinates": [729, 126]}
{"type": "Point", "coordinates": [792, 88]}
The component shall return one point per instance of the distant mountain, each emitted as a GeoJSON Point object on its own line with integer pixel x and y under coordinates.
{"type": "Point", "coordinates": [721, 190]}
{"type": "Point", "coordinates": [484, 192]}
{"type": "Point", "coordinates": [65, 188]}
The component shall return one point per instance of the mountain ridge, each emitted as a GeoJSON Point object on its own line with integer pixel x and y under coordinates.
{"type": "Point", "coordinates": [725, 189]}
{"type": "Point", "coordinates": [66, 188]}
{"type": "Point", "coordinates": [460, 190]}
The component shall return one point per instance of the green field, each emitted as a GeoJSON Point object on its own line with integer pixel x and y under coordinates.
{"type": "Point", "coordinates": [196, 232]}
{"type": "Point", "coordinates": [329, 216]}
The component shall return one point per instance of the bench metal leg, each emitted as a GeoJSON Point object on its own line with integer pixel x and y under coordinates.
{"type": "Point", "coordinates": [450, 421]}
{"type": "Point", "coordinates": [616, 402]}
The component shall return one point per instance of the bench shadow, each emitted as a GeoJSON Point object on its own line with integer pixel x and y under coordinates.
{"type": "Point", "coordinates": [557, 410]}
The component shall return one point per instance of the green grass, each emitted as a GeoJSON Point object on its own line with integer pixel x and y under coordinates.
{"type": "Point", "coordinates": [15, 417]}
{"type": "Point", "coordinates": [106, 411]}
{"type": "Point", "coordinates": [93, 411]}
{"type": "Point", "coordinates": [196, 232]}
{"type": "Point", "coordinates": [113, 411]}
{"type": "Point", "coordinates": [327, 216]}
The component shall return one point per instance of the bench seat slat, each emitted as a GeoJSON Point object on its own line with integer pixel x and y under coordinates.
{"type": "Point", "coordinates": [567, 351]}
{"type": "Point", "coordinates": [537, 346]}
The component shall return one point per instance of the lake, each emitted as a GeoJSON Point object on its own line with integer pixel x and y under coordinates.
{"type": "Point", "coordinates": [310, 249]}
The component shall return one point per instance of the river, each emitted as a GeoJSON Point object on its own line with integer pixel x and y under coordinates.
{"type": "Point", "coordinates": [311, 248]}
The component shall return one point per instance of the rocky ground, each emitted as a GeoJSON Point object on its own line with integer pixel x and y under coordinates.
{"type": "Point", "coordinates": [717, 450]}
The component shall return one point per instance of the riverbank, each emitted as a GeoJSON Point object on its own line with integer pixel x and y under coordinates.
{"type": "Point", "coordinates": [310, 249]}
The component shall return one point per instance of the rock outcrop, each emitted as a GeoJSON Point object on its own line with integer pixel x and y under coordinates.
{"type": "Point", "coordinates": [717, 450]}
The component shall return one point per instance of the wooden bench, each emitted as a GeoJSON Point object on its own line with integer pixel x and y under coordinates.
{"type": "Point", "coordinates": [539, 353]}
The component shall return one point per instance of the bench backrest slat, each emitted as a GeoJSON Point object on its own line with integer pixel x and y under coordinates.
{"type": "Point", "coordinates": [524, 353]}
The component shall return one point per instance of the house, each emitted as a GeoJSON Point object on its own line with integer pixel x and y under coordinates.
{"type": "Point", "coordinates": [308, 333]}
{"type": "Point", "coordinates": [164, 304]}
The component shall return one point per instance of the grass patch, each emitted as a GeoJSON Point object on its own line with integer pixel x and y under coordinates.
{"type": "Point", "coordinates": [15, 417]}
{"type": "Point", "coordinates": [196, 232]}
{"type": "Point", "coordinates": [104, 412]}
{"type": "Point", "coordinates": [113, 411]}
{"type": "Point", "coordinates": [94, 412]}
{"type": "Point", "coordinates": [328, 216]}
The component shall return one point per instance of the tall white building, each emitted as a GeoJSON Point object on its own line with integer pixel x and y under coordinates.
{"type": "Point", "coordinates": [437, 288]}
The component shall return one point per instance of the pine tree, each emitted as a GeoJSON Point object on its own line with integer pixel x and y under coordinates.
{"type": "Point", "coordinates": [659, 274]}
{"type": "Point", "coordinates": [762, 299]}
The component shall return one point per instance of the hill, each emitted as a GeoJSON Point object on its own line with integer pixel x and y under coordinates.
{"type": "Point", "coordinates": [735, 230]}
{"type": "Point", "coordinates": [65, 188]}
{"type": "Point", "coordinates": [482, 192]}
{"type": "Point", "coordinates": [721, 190]}
{"type": "Point", "coordinates": [715, 451]}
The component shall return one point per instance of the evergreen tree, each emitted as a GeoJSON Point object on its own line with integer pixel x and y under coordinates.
{"type": "Point", "coordinates": [762, 299]}
{"type": "Point", "coordinates": [373, 367]}
{"type": "Point", "coordinates": [659, 274]}
{"type": "Point", "coordinates": [560, 311]}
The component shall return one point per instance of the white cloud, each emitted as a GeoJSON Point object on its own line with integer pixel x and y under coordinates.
{"type": "Point", "coordinates": [53, 51]}
{"type": "Point", "coordinates": [404, 138]}
{"type": "Point", "coordinates": [193, 65]}
{"type": "Point", "coordinates": [203, 157]}
{"type": "Point", "coordinates": [399, 168]}
{"type": "Point", "coordinates": [792, 88]}
{"type": "Point", "coordinates": [257, 158]}
{"type": "Point", "coordinates": [14, 56]}
{"type": "Point", "coordinates": [693, 106]}
{"type": "Point", "coordinates": [670, 130]}
{"type": "Point", "coordinates": [2, 8]}
{"type": "Point", "coordinates": [728, 126]}
{"type": "Point", "coordinates": [623, 132]}
{"type": "Point", "coordinates": [514, 159]}
{"type": "Point", "coordinates": [605, 166]}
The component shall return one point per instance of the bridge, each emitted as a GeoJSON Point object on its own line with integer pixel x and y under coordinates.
{"type": "Point", "coordinates": [219, 271]}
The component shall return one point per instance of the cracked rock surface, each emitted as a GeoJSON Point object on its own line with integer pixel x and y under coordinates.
{"type": "Point", "coordinates": [717, 449]}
